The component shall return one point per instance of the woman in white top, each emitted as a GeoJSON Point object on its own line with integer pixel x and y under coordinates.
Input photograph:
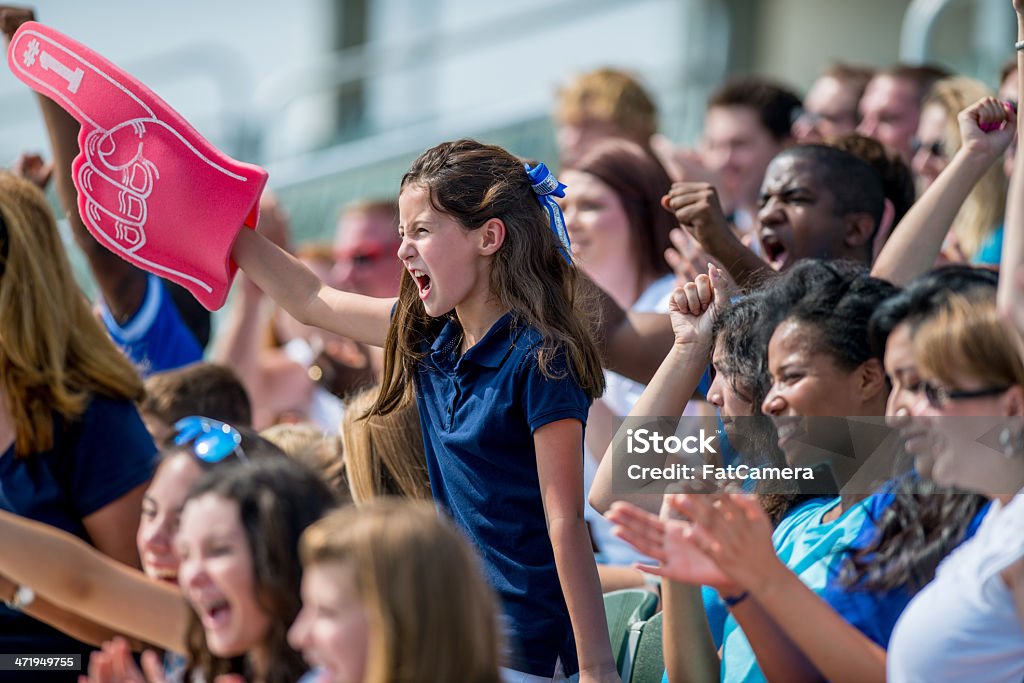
{"type": "Point", "coordinates": [966, 624]}
{"type": "Point", "coordinates": [619, 233]}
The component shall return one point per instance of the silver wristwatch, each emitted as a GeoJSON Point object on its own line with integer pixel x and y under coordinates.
{"type": "Point", "coordinates": [23, 597]}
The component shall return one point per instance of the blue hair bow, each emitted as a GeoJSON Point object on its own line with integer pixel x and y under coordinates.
{"type": "Point", "coordinates": [546, 186]}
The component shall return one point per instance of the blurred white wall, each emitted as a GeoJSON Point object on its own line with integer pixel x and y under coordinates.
{"type": "Point", "coordinates": [202, 57]}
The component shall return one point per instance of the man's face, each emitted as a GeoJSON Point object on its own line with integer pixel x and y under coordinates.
{"type": "Point", "coordinates": [736, 148]}
{"type": "Point", "coordinates": [889, 113]}
{"type": "Point", "coordinates": [830, 110]}
{"type": "Point", "coordinates": [365, 254]}
{"type": "Point", "coordinates": [797, 217]}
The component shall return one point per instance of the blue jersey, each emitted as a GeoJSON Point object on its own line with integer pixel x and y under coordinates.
{"type": "Point", "coordinates": [478, 413]}
{"type": "Point", "coordinates": [875, 613]}
{"type": "Point", "coordinates": [155, 338]}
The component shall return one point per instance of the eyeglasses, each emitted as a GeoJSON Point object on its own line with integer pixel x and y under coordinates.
{"type": "Point", "coordinates": [212, 441]}
{"type": "Point", "coordinates": [936, 149]}
{"type": "Point", "coordinates": [940, 396]}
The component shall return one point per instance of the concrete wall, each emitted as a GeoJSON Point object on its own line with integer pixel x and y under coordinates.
{"type": "Point", "coordinates": [793, 39]}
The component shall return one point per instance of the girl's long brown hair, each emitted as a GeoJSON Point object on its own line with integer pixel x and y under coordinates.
{"type": "Point", "coordinates": [472, 183]}
{"type": "Point", "coordinates": [53, 351]}
{"type": "Point", "coordinates": [383, 453]}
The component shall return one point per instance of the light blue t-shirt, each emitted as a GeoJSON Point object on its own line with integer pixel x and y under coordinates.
{"type": "Point", "coordinates": [810, 548]}
{"type": "Point", "coordinates": [991, 250]}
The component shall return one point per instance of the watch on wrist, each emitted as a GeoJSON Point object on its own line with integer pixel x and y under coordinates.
{"type": "Point", "coordinates": [23, 597]}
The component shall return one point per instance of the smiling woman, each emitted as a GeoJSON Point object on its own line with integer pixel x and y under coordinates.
{"type": "Point", "coordinates": [973, 379]}
{"type": "Point", "coordinates": [239, 572]}
{"type": "Point", "coordinates": [967, 622]}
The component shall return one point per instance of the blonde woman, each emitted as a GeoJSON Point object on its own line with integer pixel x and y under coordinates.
{"type": "Point", "coordinates": [377, 605]}
{"type": "Point", "coordinates": [76, 455]}
{"type": "Point", "coordinates": [976, 232]}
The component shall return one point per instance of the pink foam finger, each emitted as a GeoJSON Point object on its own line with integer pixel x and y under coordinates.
{"type": "Point", "coordinates": [113, 195]}
{"type": "Point", "coordinates": [151, 188]}
{"type": "Point", "coordinates": [68, 73]}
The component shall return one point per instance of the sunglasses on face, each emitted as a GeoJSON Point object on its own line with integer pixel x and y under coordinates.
{"type": "Point", "coordinates": [365, 256]}
{"type": "Point", "coordinates": [939, 397]}
{"type": "Point", "coordinates": [936, 149]}
{"type": "Point", "coordinates": [211, 441]}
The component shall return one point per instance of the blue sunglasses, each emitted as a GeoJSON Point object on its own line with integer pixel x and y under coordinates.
{"type": "Point", "coordinates": [212, 441]}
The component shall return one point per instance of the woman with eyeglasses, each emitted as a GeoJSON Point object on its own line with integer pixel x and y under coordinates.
{"type": "Point", "coordinates": [75, 453]}
{"type": "Point", "coordinates": [967, 623]}
{"type": "Point", "coordinates": [238, 573]}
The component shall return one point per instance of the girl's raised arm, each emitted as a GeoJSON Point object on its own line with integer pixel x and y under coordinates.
{"type": "Point", "coordinates": [71, 574]}
{"type": "Point", "coordinates": [1011, 277]}
{"type": "Point", "coordinates": [300, 292]}
{"type": "Point", "coordinates": [559, 448]}
{"type": "Point", "coordinates": [916, 242]}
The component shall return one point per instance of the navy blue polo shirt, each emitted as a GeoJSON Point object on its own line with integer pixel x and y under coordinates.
{"type": "Point", "coordinates": [478, 413]}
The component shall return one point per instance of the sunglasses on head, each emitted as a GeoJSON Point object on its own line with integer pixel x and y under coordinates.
{"type": "Point", "coordinates": [211, 440]}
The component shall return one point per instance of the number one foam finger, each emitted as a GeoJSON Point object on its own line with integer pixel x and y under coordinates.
{"type": "Point", "coordinates": [150, 188]}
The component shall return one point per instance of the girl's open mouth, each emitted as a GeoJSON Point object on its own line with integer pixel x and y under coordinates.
{"type": "Point", "coordinates": [215, 615]}
{"type": "Point", "coordinates": [422, 282]}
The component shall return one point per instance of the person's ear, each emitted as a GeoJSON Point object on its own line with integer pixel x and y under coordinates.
{"type": "Point", "coordinates": [871, 377]}
{"type": "Point", "coordinates": [491, 236]}
{"type": "Point", "coordinates": [859, 229]}
{"type": "Point", "coordinates": [1012, 402]}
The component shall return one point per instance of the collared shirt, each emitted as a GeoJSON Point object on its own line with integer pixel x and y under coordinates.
{"type": "Point", "coordinates": [478, 412]}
